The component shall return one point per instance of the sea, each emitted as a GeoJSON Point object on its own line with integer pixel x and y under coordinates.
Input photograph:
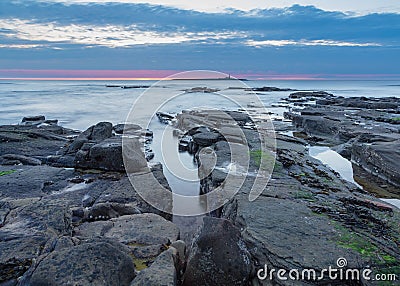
{"type": "Point", "coordinates": [78, 104]}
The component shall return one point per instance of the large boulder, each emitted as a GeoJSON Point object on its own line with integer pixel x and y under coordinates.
{"type": "Point", "coordinates": [94, 134]}
{"type": "Point", "coordinates": [106, 155]}
{"type": "Point", "coordinates": [218, 257]}
{"type": "Point", "coordinates": [98, 132]}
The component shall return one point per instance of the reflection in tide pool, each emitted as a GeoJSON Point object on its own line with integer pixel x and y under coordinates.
{"type": "Point", "coordinates": [178, 169]}
{"type": "Point", "coordinates": [341, 165]}
{"type": "Point", "coordinates": [182, 164]}
{"type": "Point", "coordinates": [335, 161]}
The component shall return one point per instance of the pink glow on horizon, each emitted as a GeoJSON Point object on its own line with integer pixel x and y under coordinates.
{"type": "Point", "coordinates": [27, 74]}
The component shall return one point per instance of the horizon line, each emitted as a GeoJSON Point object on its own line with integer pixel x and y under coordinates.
{"type": "Point", "coordinates": [155, 75]}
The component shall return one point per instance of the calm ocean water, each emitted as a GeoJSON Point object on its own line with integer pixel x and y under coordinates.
{"type": "Point", "coordinates": [79, 104]}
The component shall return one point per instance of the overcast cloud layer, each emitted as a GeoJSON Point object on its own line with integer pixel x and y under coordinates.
{"type": "Point", "coordinates": [298, 39]}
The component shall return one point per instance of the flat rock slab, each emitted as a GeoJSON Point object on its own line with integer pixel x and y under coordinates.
{"type": "Point", "coordinates": [31, 181]}
{"type": "Point", "coordinates": [91, 263]}
{"type": "Point", "coordinates": [32, 141]}
{"type": "Point", "coordinates": [43, 216]}
{"type": "Point", "coordinates": [289, 230]}
{"type": "Point", "coordinates": [148, 229]}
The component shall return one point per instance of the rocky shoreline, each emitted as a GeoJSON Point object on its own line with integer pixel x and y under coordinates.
{"type": "Point", "coordinates": [364, 130]}
{"type": "Point", "coordinates": [70, 216]}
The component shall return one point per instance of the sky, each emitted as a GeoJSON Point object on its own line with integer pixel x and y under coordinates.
{"type": "Point", "coordinates": [152, 39]}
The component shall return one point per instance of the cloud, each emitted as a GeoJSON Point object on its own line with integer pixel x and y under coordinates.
{"type": "Point", "coordinates": [282, 43]}
{"type": "Point", "coordinates": [295, 23]}
{"type": "Point", "coordinates": [21, 46]}
{"type": "Point", "coordinates": [112, 36]}
{"type": "Point", "coordinates": [355, 6]}
{"type": "Point", "coordinates": [118, 36]}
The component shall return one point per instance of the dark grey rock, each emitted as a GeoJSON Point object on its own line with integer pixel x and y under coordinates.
{"type": "Point", "coordinates": [206, 138]}
{"type": "Point", "coordinates": [66, 161]}
{"type": "Point", "coordinates": [30, 119]}
{"type": "Point", "coordinates": [31, 140]}
{"type": "Point", "coordinates": [379, 158]}
{"type": "Point", "coordinates": [148, 229]}
{"type": "Point", "coordinates": [101, 131]}
{"type": "Point", "coordinates": [240, 117]}
{"type": "Point", "coordinates": [90, 263]}
{"type": "Point", "coordinates": [94, 134]}
{"type": "Point", "coordinates": [106, 155]}
{"type": "Point", "coordinates": [269, 89]}
{"type": "Point", "coordinates": [164, 117]}
{"type": "Point", "coordinates": [365, 134]}
{"type": "Point", "coordinates": [219, 256]}
{"type": "Point", "coordinates": [18, 254]}
{"type": "Point", "coordinates": [302, 94]}
{"type": "Point", "coordinates": [38, 217]}
{"type": "Point", "coordinates": [24, 160]}
{"type": "Point", "coordinates": [128, 128]}
{"type": "Point", "coordinates": [76, 145]}
{"type": "Point", "coordinates": [32, 181]}
{"type": "Point", "coordinates": [87, 201]}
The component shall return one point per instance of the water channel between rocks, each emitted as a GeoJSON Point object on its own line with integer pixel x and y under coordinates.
{"type": "Point", "coordinates": [163, 139]}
